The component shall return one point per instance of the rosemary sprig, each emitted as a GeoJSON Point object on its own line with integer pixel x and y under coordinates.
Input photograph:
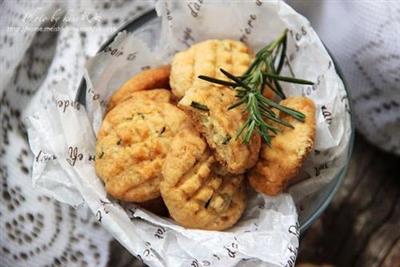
{"type": "Point", "coordinates": [264, 71]}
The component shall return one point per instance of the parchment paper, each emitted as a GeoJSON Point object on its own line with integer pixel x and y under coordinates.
{"type": "Point", "coordinates": [62, 135]}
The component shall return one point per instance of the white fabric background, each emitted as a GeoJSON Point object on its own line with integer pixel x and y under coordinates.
{"type": "Point", "coordinates": [36, 230]}
{"type": "Point", "coordinates": [362, 35]}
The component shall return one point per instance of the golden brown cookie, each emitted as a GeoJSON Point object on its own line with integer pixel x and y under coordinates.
{"type": "Point", "coordinates": [289, 148]}
{"type": "Point", "coordinates": [208, 107]}
{"type": "Point", "coordinates": [208, 103]}
{"type": "Point", "coordinates": [157, 95]}
{"type": "Point", "coordinates": [195, 195]}
{"type": "Point", "coordinates": [206, 58]}
{"type": "Point", "coordinates": [132, 144]}
{"type": "Point", "coordinates": [145, 80]}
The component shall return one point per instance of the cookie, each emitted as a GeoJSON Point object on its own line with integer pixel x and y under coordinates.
{"type": "Point", "coordinates": [132, 143]}
{"type": "Point", "coordinates": [145, 80]}
{"type": "Point", "coordinates": [206, 58]}
{"type": "Point", "coordinates": [208, 103]}
{"type": "Point", "coordinates": [280, 162]}
{"type": "Point", "coordinates": [195, 195]}
{"type": "Point", "coordinates": [209, 108]}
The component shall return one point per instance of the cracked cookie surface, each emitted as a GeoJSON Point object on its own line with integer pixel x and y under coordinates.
{"type": "Point", "coordinates": [206, 58]}
{"type": "Point", "coordinates": [208, 103]}
{"type": "Point", "coordinates": [195, 195]}
{"type": "Point", "coordinates": [289, 148]}
{"type": "Point", "coordinates": [132, 143]}
{"type": "Point", "coordinates": [219, 126]}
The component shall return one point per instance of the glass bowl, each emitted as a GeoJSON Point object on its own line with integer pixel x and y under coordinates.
{"type": "Point", "coordinates": [147, 27]}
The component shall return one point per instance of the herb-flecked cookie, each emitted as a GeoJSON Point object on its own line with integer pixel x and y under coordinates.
{"type": "Point", "coordinates": [209, 108]}
{"type": "Point", "coordinates": [208, 104]}
{"type": "Point", "coordinates": [132, 143]}
{"type": "Point", "coordinates": [280, 162]}
{"type": "Point", "coordinates": [193, 191]}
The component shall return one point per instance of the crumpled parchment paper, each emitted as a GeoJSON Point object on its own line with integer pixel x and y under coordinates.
{"type": "Point", "coordinates": [62, 135]}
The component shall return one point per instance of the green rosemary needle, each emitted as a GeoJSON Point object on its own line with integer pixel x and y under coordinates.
{"type": "Point", "coordinates": [199, 106]}
{"type": "Point", "coordinates": [264, 71]}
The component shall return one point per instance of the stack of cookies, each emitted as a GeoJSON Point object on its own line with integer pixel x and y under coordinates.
{"type": "Point", "coordinates": [169, 137]}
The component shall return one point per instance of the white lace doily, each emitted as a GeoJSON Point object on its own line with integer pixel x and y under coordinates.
{"type": "Point", "coordinates": [38, 231]}
{"type": "Point", "coordinates": [34, 229]}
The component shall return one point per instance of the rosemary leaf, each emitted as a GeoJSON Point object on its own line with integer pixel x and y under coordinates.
{"type": "Point", "coordinates": [238, 103]}
{"type": "Point", "coordinates": [217, 81]}
{"type": "Point", "coordinates": [287, 79]}
{"type": "Point", "coordinates": [282, 56]}
{"type": "Point", "coordinates": [236, 79]}
{"type": "Point", "coordinates": [289, 67]}
{"type": "Point", "coordinates": [292, 112]}
{"type": "Point", "coordinates": [278, 87]}
{"type": "Point", "coordinates": [278, 120]}
{"type": "Point", "coordinates": [199, 106]}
